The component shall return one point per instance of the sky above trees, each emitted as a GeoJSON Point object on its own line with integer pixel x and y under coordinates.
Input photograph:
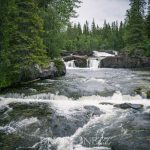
{"type": "Point", "coordinates": [100, 10]}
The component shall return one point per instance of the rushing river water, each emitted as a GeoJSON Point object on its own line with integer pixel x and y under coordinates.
{"type": "Point", "coordinates": [77, 112]}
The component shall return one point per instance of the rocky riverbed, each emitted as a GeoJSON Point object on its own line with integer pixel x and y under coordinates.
{"type": "Point", "coordinates": [88, 109]}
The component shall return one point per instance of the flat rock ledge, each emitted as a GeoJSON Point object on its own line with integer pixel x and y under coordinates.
{"type": "Point", "coordinates": [129, 105]}
{"type": "Point", "coordinates": [35, 72]}
{"type": "Point", "coordinates": [125, 62]}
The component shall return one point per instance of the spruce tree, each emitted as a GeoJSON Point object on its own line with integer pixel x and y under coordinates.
{"type": "Point", "coordinates": [4, 40]}
{"type": "Point", "coordinates": [93, 30]}
{"type": "Point", "coordinates": [24, 46]}
{"type": "Point", "coordinates": [86, 28]}
{"type": "Point", "coordinates": [135, 27]}
{"type": "Point", "coordinates": [79, 29]}
{"type": "Point", "coordinates": [148, 21]}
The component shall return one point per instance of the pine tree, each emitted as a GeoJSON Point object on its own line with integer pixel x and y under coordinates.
{"type": "Point", "coordinates": [93, 27]}
{"type": "Point", "coordinates": [24, 46]}
{"type": "Point", "coordinates": [86, 28]}
{"type": "Point", "coordinates": [135, 27]}
{"type": "Point", "coordinates": [4, 39]}
{"type": "Point", "coordinates": [148, 21]}
{"type": "Point", "coordinates": [120, 36]}
{"type": "Point", "coordinates": [79, 29]}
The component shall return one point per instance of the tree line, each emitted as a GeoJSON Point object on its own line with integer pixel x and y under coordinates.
{"type": "Point", "coordinates": [131, 36]}
{"type": "Point", "coordinates": [29, 34]}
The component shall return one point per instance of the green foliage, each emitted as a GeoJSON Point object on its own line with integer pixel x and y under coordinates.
{"type": "Point", "coordinates": [134, 36]}
{"type": "Point", "coordinates": [23, 46]}
{"type": "Point", "coordinates": [131, 37]}
{"type": "Point", "coordinates": [59, 64]}
{"type": "Point", "coordinates": [30, 32]}
{"type": "Point", "coordinates": [94, 38]}
{"type": "Point", "coordinates": [56, 15]}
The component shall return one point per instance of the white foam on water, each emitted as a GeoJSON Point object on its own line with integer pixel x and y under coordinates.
{"type": "Point", "coordinates": [93, 63]}
{"type": "Point", "coordinates": [80, 147]}
{"type": "Point", "coordinates": [65, 103]}
{"type": "Point", "coordinates": [94, 79]}
{"type": "Point", "coordinates": [70, 64]}
{"type": "Point", "coordinates": [26, 122]}
{"type": "Point", "coordinates": [67, 107]}
{"type": "Point", "coordinates": [15, 126]}
{"type": "Point", "coordinates": [102, 54]}
{"type": "Point", "coordinates": [7, 129]}
{"type": "Point", "coordinates": [67, 143]}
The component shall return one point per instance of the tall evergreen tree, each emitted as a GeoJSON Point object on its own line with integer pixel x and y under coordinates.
{"type": "Point", "coordinates": [93, 28]}
{"type": "Point", "coordinates": [79, 29]}
{"type": "Point", "coordinates": [135, 27]}
{"type": "Point", "coordinates": [148, 20]}
{"type": "Point", "coordinates": [24, 45]}
{"type": "Point", "coordinates": [86, 28]}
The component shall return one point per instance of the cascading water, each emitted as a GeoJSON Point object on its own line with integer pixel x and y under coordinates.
{"type": "Point", "coordinates": [93, 63]}
{"type": "Point", "coordinates": [70, 64]}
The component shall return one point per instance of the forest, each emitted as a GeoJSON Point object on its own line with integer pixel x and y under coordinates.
{"type": "Point", "coordinates": [35, 31]}
{"type": "Point", "coordinates": [131, 36]}
{"type": "Point", "coordinates": [29, 34]}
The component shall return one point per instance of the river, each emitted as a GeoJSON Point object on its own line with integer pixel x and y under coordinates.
{"type": "Point", "coordinates": [78, 112]}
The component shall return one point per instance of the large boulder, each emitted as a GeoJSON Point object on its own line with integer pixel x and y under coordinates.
{"type": "Point", "coordinates": [125, 62]}
{"type": "Point", "coordinates": [54, 69]}
{"type": "Point", "coordinates": [80, 61]}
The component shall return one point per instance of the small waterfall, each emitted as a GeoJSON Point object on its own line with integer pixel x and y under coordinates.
{"type": "Point", "coordinates": [93, 63]}
{"type": "Point", "coordinates": [70, 64]}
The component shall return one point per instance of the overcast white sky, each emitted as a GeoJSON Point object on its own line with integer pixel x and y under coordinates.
{"type": "Point", "coordinates": [111, 10]}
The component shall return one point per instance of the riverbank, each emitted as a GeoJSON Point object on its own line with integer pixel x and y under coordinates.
{"type": "Point", "coordinates": [56, 68]}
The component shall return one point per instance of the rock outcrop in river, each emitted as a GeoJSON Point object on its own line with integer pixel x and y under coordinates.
{"type": "Point", "coordinates": [125, 62]}
{"type": "Point", "coordinates": [79, 61]}
{"type": "Point", "coordinates": [54, 69]}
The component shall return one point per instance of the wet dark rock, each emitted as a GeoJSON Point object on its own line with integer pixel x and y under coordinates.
{"type": "Point", "coordinates": [125, 62]}
{"type": "Point", "coordinates": [33, 73]}
{"type": "Point", "coordinates": [22, 111]}
{"type": "Point", "coordinates": [148, 94]}
{"type": "Point", "coordinates": [31, 90]}
{"type": "Point", "coordinates": [16, 141]}
{"type": "Point", "coordinates": [25, 135]}
{"type": "Point", "coordinates": [138, 91]}
{"type": "Point", "coordinates": [81, 63]}
{"type": "Point", "coordinates": [3, 109]}
{"type": "Point", "coordinates": [54, 70]}
{"type": "Point", "coordinates": [129, 105]}
{"type": "Point", "coordinates": [132, 142]}
{"type": "Point", "coordinates": [142, 92]}
{"type": "Point", "coordinates": [106, 103]}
